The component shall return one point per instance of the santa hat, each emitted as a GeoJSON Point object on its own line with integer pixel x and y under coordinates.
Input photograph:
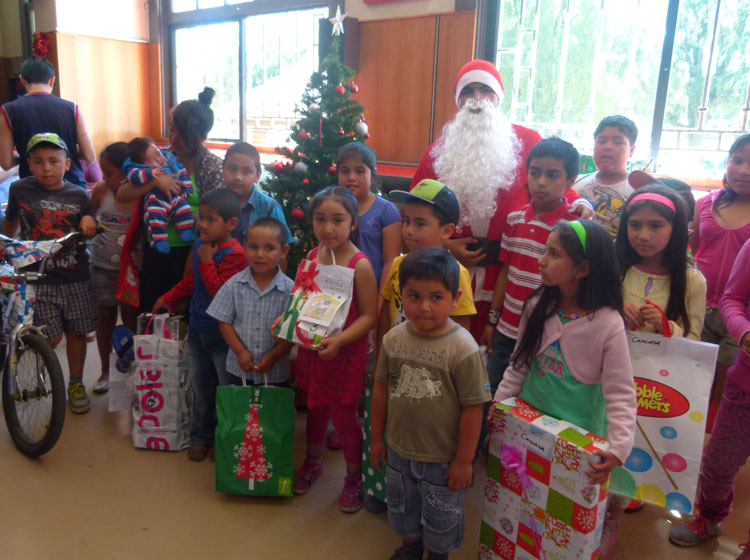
{"type": "Point", "coordinates": [479, 71]}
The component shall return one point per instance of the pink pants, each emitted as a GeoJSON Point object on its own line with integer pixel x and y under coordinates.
{"type": "Point", "coordinates": [727, 450]}
{"type": "Point", "coordinates": [346, 423]}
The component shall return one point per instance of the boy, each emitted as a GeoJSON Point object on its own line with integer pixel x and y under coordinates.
{"type": "Point", "coordinates": [552, 168]}
{"type": "Point", "coordinates": [249, 302]}
{"type": "Point", "coordinates": [46, 206]}
{"type": "Point", "coordinates": [607, 189]}
{"type": "Point", "coordinates": [216, 258]}
{"type": "Point", "coordinates": [144, 164]}
{"type": "Point", "coordinates": [241, 172]}
{"type": "Point", "coordinates": [429, 214]}
{"type": "Point", "coordinates": [430, 385]}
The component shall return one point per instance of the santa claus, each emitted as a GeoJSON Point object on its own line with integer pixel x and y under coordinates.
{"type": "Point", "coordinates": [481, 156]}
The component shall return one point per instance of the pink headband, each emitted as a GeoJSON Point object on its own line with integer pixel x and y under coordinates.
{"type": "Point", "coordinates": [660, 198]}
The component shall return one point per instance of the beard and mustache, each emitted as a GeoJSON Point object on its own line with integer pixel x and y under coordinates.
{"type": "Point", "coordinates": [477, 155]}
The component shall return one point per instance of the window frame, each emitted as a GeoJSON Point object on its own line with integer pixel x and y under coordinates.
{"type": "Point", "coordinates": [172, 21]}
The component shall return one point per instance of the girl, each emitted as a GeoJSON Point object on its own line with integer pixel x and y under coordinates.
{"type": "Point", "coordinates": [720, 228]}
{"type": "Point", "coordinates": [379, 220]}
{"type": "Point", "coordinates": [334, 375]}
{"type": "Point", "coordinates": [106, 252]}
{"type": "Point", "coordinates": [652, 250]}
{"type": "Point", "coordinates": [571, 360]}
{"type": "Point", "coordinates": [729, 446]}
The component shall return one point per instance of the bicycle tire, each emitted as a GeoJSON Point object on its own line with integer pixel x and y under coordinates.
{"type": "Point", "coordinates": [31, 445]}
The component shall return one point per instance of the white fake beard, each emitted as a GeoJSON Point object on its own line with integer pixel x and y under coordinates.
{"type": "Point", "coordinates": [477, 156]}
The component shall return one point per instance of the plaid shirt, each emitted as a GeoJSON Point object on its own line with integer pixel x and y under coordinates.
{"type": "Point", "coordinates": [251, 312]}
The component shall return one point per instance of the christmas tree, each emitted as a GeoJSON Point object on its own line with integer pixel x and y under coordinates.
{"type": "Point", "coordinates": [251, 463]}
{"type": "Point", "coordinates": [329, 119]}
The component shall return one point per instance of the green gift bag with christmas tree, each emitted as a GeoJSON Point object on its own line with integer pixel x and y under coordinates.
{"type": "Point", "coordinates": [255, 441]}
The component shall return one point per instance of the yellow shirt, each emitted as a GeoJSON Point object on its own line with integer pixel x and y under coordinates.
{"type": "Point", "coordinates": [391, 292]}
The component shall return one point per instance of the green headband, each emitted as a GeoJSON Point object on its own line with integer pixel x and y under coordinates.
{"type": "Point", "coordinates": [580, 232]}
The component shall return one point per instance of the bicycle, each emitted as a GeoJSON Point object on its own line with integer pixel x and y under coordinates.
{"type": "Point", "coordinates": [33, 385]}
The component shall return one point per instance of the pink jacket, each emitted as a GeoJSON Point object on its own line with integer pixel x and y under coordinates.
{"type": "Point", "coordinates": [735, 309]}
{"type": "Point", "coordinates": [596, 351]}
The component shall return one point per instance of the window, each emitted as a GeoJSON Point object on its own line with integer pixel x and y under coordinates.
{"type": "Point", "coordinates": [568, 63]}
{"type": "Point", "coordinates": [258, 62]}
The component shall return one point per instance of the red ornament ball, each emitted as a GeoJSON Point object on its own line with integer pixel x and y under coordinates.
{"type": "Point", "coordinates": [362, 118]}
{"type": "Point", "coordinates": [304, 135]}
{"type": "Point", "coordinates": [278, 167]}
{"type": "Point", "coordinates": [332, 170]}
{"type": "Point", "coordinates": [341, 131]}
{"type": "Point", "coordinates": [340, 90]}
{"type": "Point", "coordinates": [298, 214]}
{"type": "Point", "coordinates": [367, 135]}
{"type": "Point", "coordinates": [309, 84]}
{"type": "Point", "coordinates": [286, 196]}
{"type": "Point", "coordinates": [354, 88]}
{"type": "Point", "coordinates": [305, 182]}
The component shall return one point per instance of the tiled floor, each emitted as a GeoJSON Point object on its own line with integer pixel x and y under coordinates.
{"type": "Point", "coordinates": [95, 497]}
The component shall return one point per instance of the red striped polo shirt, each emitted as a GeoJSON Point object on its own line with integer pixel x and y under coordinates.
{"type": "Point", "coordinates": [523, 243]}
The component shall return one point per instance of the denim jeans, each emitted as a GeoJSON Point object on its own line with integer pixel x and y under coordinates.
{"type": "Point", "coordinates": [420, 504]}
{"type": "Point", "coordinates": [207, 367]}
{"type": "Point", "coordinates": [497, 362]}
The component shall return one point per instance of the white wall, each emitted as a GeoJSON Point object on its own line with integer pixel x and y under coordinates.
{"type": "Point", "coordinates": [398, 8]}
{"type": "Point", "coordinates": [126, 20]}
{"type": "Point", "coordinates": [10, 29]}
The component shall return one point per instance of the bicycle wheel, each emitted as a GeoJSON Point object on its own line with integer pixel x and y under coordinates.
{"type": "Point", "coordinates": [34, 398]}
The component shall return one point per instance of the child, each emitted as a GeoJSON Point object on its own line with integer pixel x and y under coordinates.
{"type": "Point", "coordinates": [430, 384]}
{"type": "Point", "coordinates": [46, 206]}
{"type": "Point", "coordinates": [572, 360]}
{"type": "Point", "coordinates": [552, 168]}
{"type": "Point", "coordinates": [720, 228]}
{"type": "Point", "coordinates": [430, 213]}
{"type": "Point", "coordinates": [607, 189]}
{"type": "Point", "coordinates": [247, 305]}
{"type": "Point", "coordinates": [652, 252]}
{"type": "Point", "coordinates": [333, 376]}
{"type": "Point", "coordinates": [241, 172]}
{"type": "Point", "coordinates": [729, 446]}
{"type": "Point", "coordinates": [106, 251]}
{"type": "Point", "coordinates": [145, 163]}
{"type": "Point", "coordinates": [379, 220]}
{"type": "Point", "coordinates": [216, 258]}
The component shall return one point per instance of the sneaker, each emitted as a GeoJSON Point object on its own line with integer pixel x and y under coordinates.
{"type": "Point", "coordinates": [745, 554]}
{"type": "Point", "coordinates": [197, 452]}
{"type": "Point", "coordinates": [78, 399]}
{"type": "Point", "coordinates": [375, 505]}
{"type": "Point", "coordinates": [634, 506]}
{"type": "Point", "coordinates": [694, 530]}
{"type": "Point", "coordinates": [402, 554]}
{"type": "Point", "coordinates": [101, 386]}
{"type": "Point", "coordinates": [333, 441]}
{"type": "Point", "coordinates": [351, 495]}
{"type": "Point", "coordinates": [307, 475]}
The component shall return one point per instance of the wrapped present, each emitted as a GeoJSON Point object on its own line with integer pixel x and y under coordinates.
{"type": "Point", "coordinates": [538, 501]}
{"type": "Point", "coordinates": [17, 308]}
{"type": "Point", "coordinates": [318, 304]}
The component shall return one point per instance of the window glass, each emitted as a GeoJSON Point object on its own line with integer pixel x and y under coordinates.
{"type": "Point", "coordinates": [197, 66]}
{"type": "Point", "coordinates": [281, 53]}
{"type": "Point", "coordinates": [182, 5]}
{"type": "Point", "coordinates": [566, 64]}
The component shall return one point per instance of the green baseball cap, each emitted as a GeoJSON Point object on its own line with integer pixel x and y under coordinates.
{"type": "Point", "coordinates": [49, 138]}
{"type": "Point", "coordinates": [434, 192]}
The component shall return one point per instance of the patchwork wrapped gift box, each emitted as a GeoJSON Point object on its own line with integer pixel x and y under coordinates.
{"type": "Point", "coordinates": [538, 501]}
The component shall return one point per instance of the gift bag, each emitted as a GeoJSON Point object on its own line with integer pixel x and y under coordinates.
{"type": "Point", "coordinates": [120, 394]}
{"type": "Point", "coordinates": [162, 404]}
{"type": "Point", "coordinates": [162, 395]}
{"type": "Point", "coordinates": [318, 304]}
{"type": "Point", "coordinates": [673, 378]}
{"type": "Point", "coordinates": [538, 501]}
{"type": "Point", "coordinates": [255, 440]}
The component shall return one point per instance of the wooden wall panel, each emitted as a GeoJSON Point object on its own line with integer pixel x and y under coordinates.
{"type": "Point", "coordinates": [156, 126]}
{"type": "Point", "coordinates": [395, 78]}
{"type": "Point", "coordinates": [455, 48]}
{"type": "Point", "coordinates": [109, 80]}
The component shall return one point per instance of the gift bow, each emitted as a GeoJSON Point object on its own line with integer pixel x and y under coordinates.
{"type": "Point", "coordinates": [306, 279]}
{"type": "Point", "coordinates": [512, 458]}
